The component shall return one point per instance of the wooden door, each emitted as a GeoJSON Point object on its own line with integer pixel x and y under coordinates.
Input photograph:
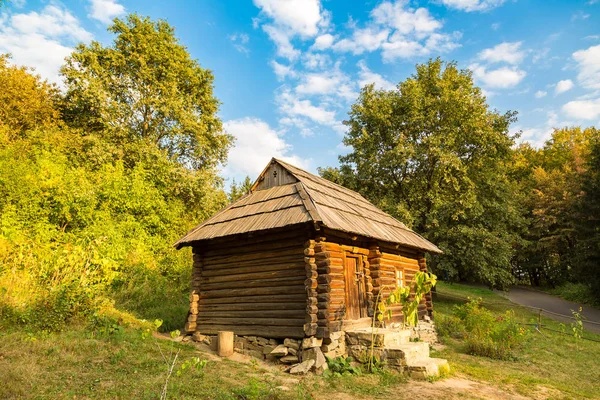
{"type": "Point", "coordinates": [355, 289]}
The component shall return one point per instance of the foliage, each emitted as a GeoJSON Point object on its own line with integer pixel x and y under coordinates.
{"type": "Point", "coordinates": [581, 293]}
{"type": "Point", "coordinates": [83, 229]}
{"type": "Point", "coordinates": [236, 191]}
{"type": "Point", "coordinates": [340, 366]}
{"type": "Point", "coordinates": [27, 101]}
{"type": "Point", "coordinates": [435, 156]}
{"type": "Point", "coordinates": [145, 87]}
{"type": "Point", "coordinates": [409, 297]}
{"type": "Point", "coordinates": [577, 326]}
{"type": "Point", "coordinates": [484, 334]}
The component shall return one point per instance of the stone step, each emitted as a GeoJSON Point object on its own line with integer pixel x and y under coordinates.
{"type": "Point", "coordinates": [429, 367]}
{"type": "Point", "coordinates": [382, 337]}
{"type": "Point", "coordinates": [407, 353]}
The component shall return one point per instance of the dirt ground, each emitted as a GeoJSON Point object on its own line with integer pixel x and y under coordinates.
{"type": "Point", "coordinates": [455, 387]}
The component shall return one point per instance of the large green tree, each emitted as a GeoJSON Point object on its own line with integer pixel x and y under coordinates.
{"type": "Point", "coordinates": [145, 87]}
{"type": "Point", "coordinates": [435, 155]}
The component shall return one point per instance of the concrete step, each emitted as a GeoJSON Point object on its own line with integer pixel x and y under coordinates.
{"type": "Point", "coordinates": [429, 367]}
{"type": "Point", "coordinates": [407, 353]}
{"type": "Point", "coordinates": [382, 337]}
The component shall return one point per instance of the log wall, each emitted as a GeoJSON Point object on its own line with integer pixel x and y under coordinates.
{"type": "Point", "coordinates": [384, 262]}
{"type": "Point", "coordinates": [253, 286]}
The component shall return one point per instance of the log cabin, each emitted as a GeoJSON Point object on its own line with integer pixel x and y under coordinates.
{"type": "Point", "coordinates": [297, 257]}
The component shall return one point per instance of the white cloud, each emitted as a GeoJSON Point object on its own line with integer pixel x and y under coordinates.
{"type": "Point", "coordinates": [239, 41]}
{"type": "Point", "coordinates": [282, 71]}
{"type": "Point", "coordinates": [366, 77]}
{"type": "Point", "coordinates": [292, 106]}
{"type": "Point", "coordinates": [41, 40]}
{"type": "Point", "coordinates": [52, 22]}
{"type": "Point", "coordinates": [328, 83]}
{"type": "Point", "coordinates": [589, 67]}
{"type": "Point", "coordinates": [316, 60]}
{"type": "Point", "coordinates": [106, 10]}
{"type": "Point", "coordinates": [323, 42]}
{"type": "Point", "coordinates": [540, 93]}
{"type": "Point", "coordinates": [504, 52]}
{"type": "Point", "coordinates": [583, 109]}
{"type": "Point", "coordinates": [472, 5]}
{"type": "Point", "coordinates": [563, 86]}
{"type": "Point", "coordinates": [301, 17]}
{"type": "Point", "coordinates": [399, 31]}
{"type": "Point", "coordinates": [501, 78]}
{"type": "Point", "coordinates": [368, 39]}
{"type": "Point", "coordinates": [282, 42]}
{"type": "Point", "coordinates": [255, 144]}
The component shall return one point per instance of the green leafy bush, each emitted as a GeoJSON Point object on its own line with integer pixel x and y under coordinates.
{"type": "Point", "coordinates": [341, 366]}
{"type": "Point", "coordinates": [484, 333]}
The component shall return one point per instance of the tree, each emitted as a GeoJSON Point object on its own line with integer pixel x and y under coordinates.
{"type": "Point", "coordinates": [434, 155]}
{"type": "Point", "coordinates": [550, 181]}
{"type": "Point", "coordinates": [588, 246]}
{"type": "Point", "coordinates": [236, 191]}
{"type": "Point", "coordinates": [27, 102]}
{"type": "Point", "coordinates": [146, 88]}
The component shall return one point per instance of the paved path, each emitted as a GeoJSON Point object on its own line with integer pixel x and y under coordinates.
{"type": "Point", "coordinates": [533, 298]}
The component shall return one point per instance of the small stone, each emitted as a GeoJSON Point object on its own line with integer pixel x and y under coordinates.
{"type": "Point", "coordinates": [186, 339]}
{"type": "Point", "coordinates": [273, 342]}
{"type": "Point", "coordinates": [198, 337]}
{"type": "Point", "coordinates": [251, 338]}
{"type": "Point", "coordinates": [311, 342]}
{"type": "Point", "coordinates": [292, 351]}
{"type": "Point", "coordinates": [291, 343]}
{"type": "Point", "coordinates": [289, 359]}
{"type": "Point", "coordinates": [331, 346]}
{"type": "Point", "coordinates": [262, 341]}
{"type": "Point", "coordinates": [268, 349]}
{"type": "Point", "coordinates": [302, 368]}
{"type": "Point", "coordinates": [315, 354]}
{"type": "Point", "coordinates": [279, 351]}
{"type": "Point", "coordinates": [336, 335]}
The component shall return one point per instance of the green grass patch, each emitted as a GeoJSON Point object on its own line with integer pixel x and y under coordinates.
{"type": "Point", "coordinates": [555, 361]}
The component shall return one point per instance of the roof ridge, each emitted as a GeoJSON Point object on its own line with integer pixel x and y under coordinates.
{"type": "Point", "coordinates": [345, 189]}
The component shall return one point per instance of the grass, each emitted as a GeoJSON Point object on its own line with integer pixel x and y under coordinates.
{"type": "Point", "coordinates": [550, 361]}
{"type": "Point", "coordinates": [77, 363]}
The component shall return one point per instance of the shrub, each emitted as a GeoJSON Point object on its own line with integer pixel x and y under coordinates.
{"type": "Point", "coordinates": [485, 334]}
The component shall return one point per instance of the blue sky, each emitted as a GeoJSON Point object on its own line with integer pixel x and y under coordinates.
{"type": "Point", "coordinates": [287, 71]}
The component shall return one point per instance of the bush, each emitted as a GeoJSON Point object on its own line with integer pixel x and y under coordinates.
{"type": "Point", "coordinates": [577, 292]}
{"type": "Point", "coordinates": [484, 333]}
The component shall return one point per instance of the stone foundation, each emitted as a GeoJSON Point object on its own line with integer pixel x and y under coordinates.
{"type": "Point", "coordinates": [404, 349]}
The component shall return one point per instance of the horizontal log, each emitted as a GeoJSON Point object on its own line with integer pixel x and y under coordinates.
{"type": "Point", "coordinates": [252, 321]}
{"type": "Point", "coordinates": [330, 270]}
{"type": "Point", "coordinates": [258, 314]}
{"type": "Point", "coordinates": [330, 261]}
{"type": "Point", "coordinates": [253, 330]}
{"type": "Point", "coordinates": [310, 329]}
{"type": "Point", "coordinates": [232, 259]}
{"type": "Point", "coordinates": [262, 291]}
{"type": "Point", "coordinates": [244, 246]}
{"type": "Point", "coordinates": [309, 252]}
{"type": "Point", "coordinates": [270, 298]}
{"type": "Point", "coordinates": [256, 283]}
{"type": "Point", "coordinates": [286, 305]}
{"type": "Point", "coordinates": [281, 273]}
{"type": "Point", "coordinates": [278, 265]}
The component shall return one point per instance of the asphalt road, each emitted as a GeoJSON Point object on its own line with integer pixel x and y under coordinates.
{"type": "Point", "coordinates": [533, 298]}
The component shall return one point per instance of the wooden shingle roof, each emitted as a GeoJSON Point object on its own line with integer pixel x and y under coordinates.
{"type": "Point", "coordinates": [296, 197]}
